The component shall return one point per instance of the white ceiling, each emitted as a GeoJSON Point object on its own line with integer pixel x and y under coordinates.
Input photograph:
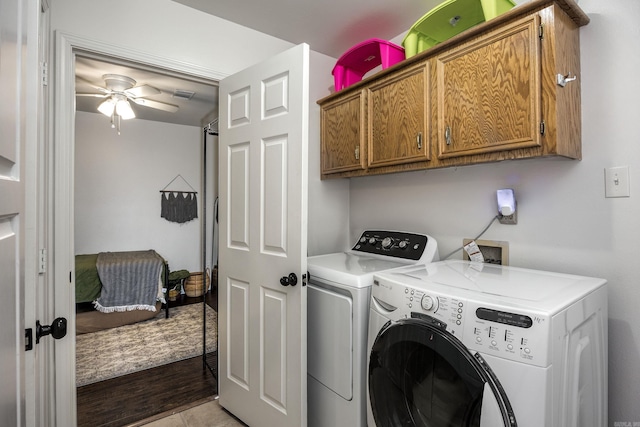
{"type": "Point", "coordinates": [203, 106]}
{"type": "Point", "coordinates": [328, 26]}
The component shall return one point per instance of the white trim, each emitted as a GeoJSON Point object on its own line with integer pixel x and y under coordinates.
{"type": "Point", "coordinates": [64, 123]}
{"type": "Point", "coordinates": [78, 43]}
{"type": "Point", "coordinates": [62, 177]}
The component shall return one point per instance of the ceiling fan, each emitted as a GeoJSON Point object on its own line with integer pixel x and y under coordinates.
{"type": "Point", "coordinates": [119, 91]}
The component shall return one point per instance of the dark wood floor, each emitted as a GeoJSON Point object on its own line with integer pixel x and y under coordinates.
{"type": "Point", "coordinates": [125, 400]}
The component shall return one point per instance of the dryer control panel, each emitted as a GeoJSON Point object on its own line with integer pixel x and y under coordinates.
{"type": "Point", "coordinates": [397, 244]}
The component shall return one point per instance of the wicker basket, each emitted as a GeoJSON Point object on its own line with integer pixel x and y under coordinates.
{"type": "Point", "coordinates": [173, 294]}
{"type": "Point", "coordinates": [195, 286]}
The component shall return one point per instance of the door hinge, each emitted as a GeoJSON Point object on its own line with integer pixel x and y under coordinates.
{"type": "Point", "coordinates": [42, 264]}
{"type": "Point", "coordinates": [542, 127]}
{"type": "Point", "coordinates": [541, 31]}
{"type": "Point", "coordinates": [45, 74]}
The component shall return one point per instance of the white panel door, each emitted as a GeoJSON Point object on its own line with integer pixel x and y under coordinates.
{"type": "Point", "coordinates": [14, 35]}
{"type": "Point", "coordinates": [263, 237]}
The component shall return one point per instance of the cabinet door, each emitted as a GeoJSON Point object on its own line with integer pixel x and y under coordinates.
{"type": "Point", "coordinates": [343, 134]}
{"type": "Point", "coordinates": [489, 92]}
{"type": "Point", "coordinates": [398, 114]}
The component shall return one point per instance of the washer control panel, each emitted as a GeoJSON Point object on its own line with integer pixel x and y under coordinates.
{"type": "Point", "coordinates": [509, 334]}
{"type": "Point", "coordinates": [449, 310]}
{"type": "Point", "coordinates": [397, 244]}
{"type": "Point", "coordinates": [482, 327]}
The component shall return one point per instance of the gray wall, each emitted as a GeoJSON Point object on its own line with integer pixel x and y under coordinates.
{"type": "Point", "coordinates": [564, 221]}
{"type": "Point", "coordinates": [167, 29]}
{"type": "Point", "coordinates": [117, 184]}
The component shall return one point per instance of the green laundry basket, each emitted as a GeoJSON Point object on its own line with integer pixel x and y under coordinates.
{"type": "Point", "coordinates": [449, 19]}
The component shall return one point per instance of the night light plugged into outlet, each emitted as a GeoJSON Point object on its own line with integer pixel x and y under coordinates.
{"type": "Point", "coordinates": [506, 206]}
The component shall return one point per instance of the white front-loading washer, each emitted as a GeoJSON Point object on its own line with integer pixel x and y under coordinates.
{"type": "Point", "coordinates": [338, 298]}
{"type": "Point", "coordinates": [457, 343]}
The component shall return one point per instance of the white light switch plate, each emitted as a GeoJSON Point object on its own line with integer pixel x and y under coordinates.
{"type": "Point", "coordinates": [616, 182]}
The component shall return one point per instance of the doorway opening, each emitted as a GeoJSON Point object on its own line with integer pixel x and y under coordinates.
{"type": "Point", "coordinates": [119, 167]}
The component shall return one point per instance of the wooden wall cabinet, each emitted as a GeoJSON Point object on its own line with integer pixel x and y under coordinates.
{"type": "Point", "coordinates": [489, 94]}
{"type": "Point", "coordinates": [343, 134]}
{"type": "Point", "coordinates": [380, 126]}
{"type": "Point", "coordinates": [398, 117]}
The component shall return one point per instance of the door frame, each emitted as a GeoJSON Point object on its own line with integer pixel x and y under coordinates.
{"type": "Point", "coordinates": [61, 204]}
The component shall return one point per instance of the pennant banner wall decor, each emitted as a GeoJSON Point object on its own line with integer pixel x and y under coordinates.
{"type": "Point", "coordinates": [178, 206]}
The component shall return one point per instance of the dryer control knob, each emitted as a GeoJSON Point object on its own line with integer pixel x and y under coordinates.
{"type": "Point", "coordinates": [428, 303]}
{"type": "Point", "coordinates": [387, 242]}
{"type": "Point", "coordinates": [403, 244]}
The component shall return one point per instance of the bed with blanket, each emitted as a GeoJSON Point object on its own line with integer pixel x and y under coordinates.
{"type": "Point", "coordinates": [123, 287]}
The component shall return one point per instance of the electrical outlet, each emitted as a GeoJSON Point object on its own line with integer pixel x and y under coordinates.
{"type": "Point", "coordinates": [508, 219]}
{"type": "Point", "coordinates": [493, 251]}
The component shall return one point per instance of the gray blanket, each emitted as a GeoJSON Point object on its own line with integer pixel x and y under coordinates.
{"type": "Point", "coordinates": [129, 280]}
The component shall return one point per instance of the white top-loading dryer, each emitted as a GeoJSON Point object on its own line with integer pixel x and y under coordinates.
{"type": "Point", "coordinates": [337, 317]}
{"type": "Point", "coordinates": [460, 344]}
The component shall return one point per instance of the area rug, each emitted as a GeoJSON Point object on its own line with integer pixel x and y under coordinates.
{"type": "Point", "coordinates": [119, 351]}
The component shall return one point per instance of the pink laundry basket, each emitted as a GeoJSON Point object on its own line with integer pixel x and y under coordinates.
{"type": "Point", "coordinates": [364, 57]}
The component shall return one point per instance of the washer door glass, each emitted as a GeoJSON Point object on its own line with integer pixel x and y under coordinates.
{"type": "Point", "coordinates": [420, 375]}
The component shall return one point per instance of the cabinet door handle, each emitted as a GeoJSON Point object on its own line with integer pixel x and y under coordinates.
{"type": "Point", "coordinates": [357, 153]}
{"type": "Point", "coordinates": [419, 140]}
{"type": "Point", "coordinates": [563, 80]}
{"type": "Point", "coordinates": [447, 135]}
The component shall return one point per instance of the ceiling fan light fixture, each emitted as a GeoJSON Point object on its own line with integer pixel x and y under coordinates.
{"type": "Point", "coordinates": [124, 110]}
{"type": "Point", "coordinates": [107, 107]}
{"type": "Point", "coordinates": [118, 83]}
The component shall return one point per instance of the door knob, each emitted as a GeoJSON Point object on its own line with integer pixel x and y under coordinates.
{"type": "Point", "coordinates": [290, 280]}
{"type": "Point", "coordinates": [58, 329]}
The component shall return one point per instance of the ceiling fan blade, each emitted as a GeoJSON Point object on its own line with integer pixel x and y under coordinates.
{"type": "Point", "coordinates": [155, 104]}
{"type": "Point", "coordinates": [142, 90]}
{"type": "Point", "coordinates": [83, 82]}
{"type": "Point", "coordinates": [95, 95]}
